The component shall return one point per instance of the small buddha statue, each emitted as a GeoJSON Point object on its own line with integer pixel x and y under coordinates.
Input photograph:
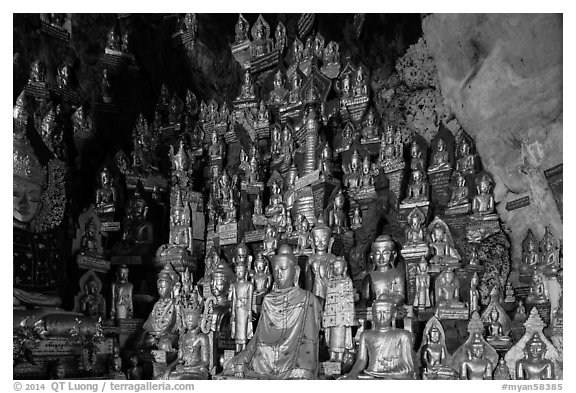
{"type": "Point", "coordinates": [258, 208]}
{"type": "Point", "coordinates": [353, 174]}
{"type": "Point", "coordinates": [422, 299]}
{"type": "Point", "coordinates": [459, 195]}
{"type": "Point", "coordinates": [371, 130]}
{"type": "Point", "coordinates": [466, 162]}
{"type": "Point", "coordinates": [496, 336]}
{"type": "Point", "coordinates": [37, 72]}
{"type": "Point", "coordinates": [253, 175]}
{"type": "Point", "coordinates": [356, 219]}
{"type": "Point", "coordinates": [442, 245]}
{"type": "Point", "coordinates": [270, 240]}
{"type": "Point", "coordinates": [348, 134]}
{"type": "Point", "coordinates": [483, 202]}
{"type": "Point", "coordinates": [338, 315]}
{"type": "Point", "coordinates": [107, 94]}
{"type": "Point", "coordinates": [241, 30]}
{"type": "Point", "coordinates": [303, 234]}
{"type": "Point", "coordinates": [319, 262]}
{"type": "Point", "coordinates": [106, 195]}
{"type": "Point", "coordinates": [325, 164]}
{"type": "Point", "coordinates": [391, 150]}
{"type": "Point", "coordinates": [387, 281]}
{"type": "Point", "coordinates": [520, 313]}
{"type": "Point", "coordinates": [338, 219]}
{"type": "Point", "coordinates": [440, 158]}
{"type": "Point", "coordinates": [92, 303]}
{"type": "Point", "coordinates": [279, 94]}
{"type": "Point", "coordinates": [262, 281]}
{"type": "Point", "coordinates": [534, 366]}
{"type": "Point", "coordinates": [210, 263]}
{"type": "Point", "coordinates": [193, 358]}
{"type": "Point", "coordinates": [280, 37]}
{"type": "Point", "coordinates": [346, 91]}
{"type": "Point", "coordinates": [531, 257]}
{"type": "Point", "coordinates": [294, 95]}
{"type": "Point", "coordinates": [360, 83]}
{"type": "Point", "coordinates": [241, 296]}
{"type": "Point", "coordinates": [367, 179]}
{"type": "Point", "coordinates": [384, 351]}
{"type": "Point", "coordinates": [538, 293]}
{"type": "Point", "coordinates": [217, 308]}
{"type": "Point", "coordinates": [89, 244]}
{"type": "Point", "coordinates": [161, 324]}
{"type": "Point", "coordinates": [138, 233]}
{"type": "Point", "coordinates": [216, 149]}
{"type": "Point", "coordinates": [502, 372]}
{"type": "Point", "coordinates": [115, 371]}
{"type": "Point", "coordinates": [416, 160]}
{"type": "Point", "coordinates": [331, 65]}
{"type": "Point", "coordinates": [261, 43]}
{"type": "Point", "coordinates": [474, 301]}
{"type": "Point", "coordinates": [276, 210]}
{"type": "Point", "coordinates": [448, 290]}
{"type": "Point", "coordinates": [550, 256]}
{"type": "Point", "coordinates": [477, 366]}
{"type": "Point", "coordinates": [121, 305]}
{"type": "Point", "coordinates": [417, 188]}
{"type": "Point", "coordinates": [415, 233]}
{"type": "Point", "coordinates": [510, 296]}
{"type": "Point", "coordinates": [64, 75]}
{"type": "Point", "coordinates": [434, 353]}
{"type": "Point", "coordinates": [247, 90]}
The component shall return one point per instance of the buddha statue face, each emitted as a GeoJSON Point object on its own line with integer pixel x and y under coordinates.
{"type": "Point", "coordinates": [438, 234]}
{"type": "Point", "coordinates": [305, 225]}
{"type": "Point", "coordinates": [366, 167]}
{"type": "Point", "coordinates": [494, 314]}
{"type": "Point", "coordinates": [123, 274]}
{"type": "Point", "coordinates": [535, 347]}
{"type": "Point", "coordinates": [464, 148]}
{"type": "Point", "coordinates": [106, 178]}
{"type": "Point", "coordinates": [321, 239]}
{"type": "Point", "coordinates": [383, 254]}
{"type": "Point", "coordinates": [423, 266]}
{"type": "Point", "coordinates": [484, 186]}
{"type": "Point", "coordinates": [192, 319]}
{"type": "Point", "coordinates": [346, 84]}
{"type": "Point", "coordinates": [477, 350]}
{"type": "Point", "coordinates": [165, 287]}
{"type": "Point", "coordinates": [219, 284]}
{"type": "Point", "coordinates": [284, 270]}
{"type": "Point", "coordinates": [441, 145]}
{"type": "Point", "coordinates": [449, 277]}
{"type": "Point", "coordinates": [355, 165]}
{"type": "Point", "coordinates": [26, 200]}
{"type": "Point", "coordinates": [91, 287]}
{"type": "Point", "coordinates": [117, 364]}
{"type": "Point", "coordinates": [240, 271]}
{"type": "Point", "coordinates": [415, 221]}
{"type": "Point", "coordinates": [278, 80]}
{"type": "Point", "coordinates": [434, 335]}
{"type": "Point", "coordinates": [416, 177]}
{"type": "Point", "coordinates": [339, 267]}
{"type": "Point", "coordinates": [415, 151]}
{"type": "Point", "coordinates": [260, 265]}
{"type": "Point", "coordinates": [382, 314]}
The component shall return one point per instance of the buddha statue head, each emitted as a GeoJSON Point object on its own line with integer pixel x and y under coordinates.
{"type": "Point", "coordinates": [167, 278]}
{"type": "Point", "coordinates": [383, 312]}
{"type": "Point", "coordinates": [366, 165]}
{"type": "Point", "coordinates": [29, 178]}
{"type": "Point", "coordinates": [241, 253]}
{"type": "Point", "coordinates": [222, 277]}
{"type": "Point", "coordinates": [464, 148]}
{"type": "Point", "coordinates": [355, 161]}
{"type": "Point", "coordinates": [438, 234]}
{"type": "Point", "coordinates": [477, 348]}
{"type": "Point", "coordinates": [415, 151]}
{"type": "Point", "coordinates": [260, 264]}
{"type": "Point", "coordinates": [339, 267]}
{"type": "Point", "coordinates": [321, 235]}
{"type": "Point", "coordinates": [241, 269]}
{"type": "Point", "coordinates": [278, 79]}
{"type": "Point", "coordinates": [383, 253]}
{"type": "Point", "coordinates": [483, 184]}
{"type": "Point", "coordinates": [285, 269]}
{"type": "Point", "coordinates": [106, 177]}
{"type": "Point", "coordinates": [339, 200]}
{"type": "Point", "coordinates": [37, 71]}
{"type": "Point", "coordinates": [122, 273]}
{"type": "Point", "coordinates": [192, 312]}
{"type": "Point", "coordinates": [441, 145]}
{"type": "Point", "coordinates": [535, 348]}
{"type": "Point", "coordinates": [417, 176]}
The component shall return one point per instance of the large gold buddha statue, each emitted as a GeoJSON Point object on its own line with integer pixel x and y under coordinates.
{"type": "Point", "coordinates": [285, 343]}
{"type": "Point", "coordinates": [384, 351]}
{"type": "Point", "coordinates": [387, 281]}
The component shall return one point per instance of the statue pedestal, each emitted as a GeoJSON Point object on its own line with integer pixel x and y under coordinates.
{"type": "Point", "coordinates": [91, 262]}
{"type": "Point", "coordinates": [290, 111]}
{"type": "Point", "coordinates": [330, 368]}
{"type": "Point", "coordinates": [458, 210]}
{"type": "Point", "coordinates": [107, 107]}
{"type": "Point", "coordinates": [228, 233]}
{"type": "Point", "coordinates": [521, 291]}
{"type": "Point", "coordinates": [415, 251]}
{"type": "Point", "coordinates": [304, 204]}
{"type": "Point", "coordinates": [110, 226]}
{"type": "Point", "coordinates": [356, 108]}
{"type": "Point", "coordinates": [264, 62]}
{"type": "Point", "coordinates": [452, 313]}
{"type": "Point", "coordinates": [179, 262]}
{"type": "Point", "coordinates": [55, 31]}
{"type": "Point", "coordinates": [126, 260]}
{"type": "Point", "coordinates": [439, 186]}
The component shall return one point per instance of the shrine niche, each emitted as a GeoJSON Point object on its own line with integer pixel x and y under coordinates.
{"type": "Point", "coordinates": [193, 192]}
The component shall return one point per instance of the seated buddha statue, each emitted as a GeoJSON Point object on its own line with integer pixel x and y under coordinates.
{"type": "Point", "coordinates": [384, 352]}
{"type": "Point", "coordinates": [276, 210]}
{"type": "Point", "coordinates": [270, 242]}
{"type": "Point", "coordinates": [367, 179]}
{"type": "Point", "coordinates": [138, 233]}
{"type": "Point", "coordinates": [261, 44]}
{"type": "Point", "coordinates": [303, 234]}
{"type": "Point", "coordinates": [360, 83]}
{"type": "Point", "coordinates": [550, 257]}
{"type": "Point", "coordinates": [247, 89]}
{"type": "Point", "coordinates": [466, 162]}
{"type": "Point", "coordinates": [448, 290]}
{"type": "Point", "coordinates": [459, 195]}
{"type": "Point", "coordinates": [338, 219]}
{"type": "Point", "coordinates": [534, 366]}
{"type": "Point", "coordinates": [387, 281]}
{"type": "Point", "coordinates": [371, 129]}
{"type": "Point", "coordinates": [279, 94]}
{"type": "Point", "coordinates": [434, 353]}
{"type": "Point", "coordinates": [483, 202]}
{"type": "Point", "coordinates": [417, 188]}
{"type": "Point", "coordinates": [356, 219]}
{"type": "Point", "coordinates": [415, 233]}
{"type": "Point", "coordinates": [193, 358]}
{"type": "Point", "coordinates": [416, 159]}
{"type": "Point", "coordinates": [331, 63]}
{"type": "Point", "coordinates": [496, 336]}
{"type": "Point", "coordinates": [296, 83]}
{"type": "Point", "coordinates": [531, 256]}
{"type": "Point", "coordinates": [161, 325]}
{"type": "Point", "coordinates": [538, 293]}
{"type": "Point", "coordinates": [354, 175]}
{"type": "Point", "coordinates": [89, 243]}
{"type": "Point", "coordinates": [440, 159]}
{"type": "Point", "coordinates": [477, 366]}
{"type": "Point", "coordinates": [92, 303]}
{"type": "Point", "coordinates": [442, 245]}
{"type": "Point", "coordinates": [285, 342]}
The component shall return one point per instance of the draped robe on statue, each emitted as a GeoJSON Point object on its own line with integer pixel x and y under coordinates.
{"type": "Point", "coordinates": [389, 354]}
{"type": "Point", "coordinates": [285, 343]}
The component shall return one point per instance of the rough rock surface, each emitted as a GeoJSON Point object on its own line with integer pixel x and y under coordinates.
{"type": "Point", "coordinates": [501, 75]}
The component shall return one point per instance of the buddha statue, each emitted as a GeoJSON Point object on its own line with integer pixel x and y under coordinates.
{"type": "Point", "coordinates": [442, 245]}
{"type": "Point", "coordinates": [550, 257]}
{"type": "Point", "coordinates": [348, 134]}
{"type": "Point", "coordinates": [242, 255]}
{"type": "Point", "coordinates": [138, 233]}
{"type": "Point", "coordinates": [210, 263]}
{"type": "Point", "coordinates": [106, 196]}
{"type": "Point", "coordinates": [531, 257]}
{"type": "Point", "coordinates": [331, 64]}
{"type": "Point", "coordinates": [261, 43]}
{"type": "Point", "coordinates": [296, 83]}
{"type": "Point", "coordinates": [303, 234]}
{"type": "Point", "coordinates": [433, 352]}
{"type": "Point", "coordinates": [217, 148]}
{"type": "Point", "coordinates": [474, 298]}
{"type": "Point", "coordinates": [346, 93]}
{"type": "Point", "coordinates": [367, 178]}
{"type": "Point", "coordinates": [64, 75]}
{"type": "Point", "coordinates": [483, 202]}
{"type": "Point", "coordinates": [338, 219]}
{"type": "Point", "coordinates": [416, 160]}
{"type": "Point", "coordinates": [538, 291]}
{"type": "Point", "coordinates": [371, 129]}
{"type": "Point", "coordinates": [280, 37]}
{"type": "Point", "coordinates": [535, 366]}
{"type": "Point", "coordinates": [520, 313]}
{"type": "Point", "coordinates": [448, 290]}
{"type": "Point", "coordinates": [217, 308]}
{"type": "Point", "coordinates": [477, 366]}
{"type": "Point", "coordinates": [241, 31]}
{"type": "Point", "coordinates": [387, 281]}
{"type": "Point", "coordinates": [276, 211]}
{"type": "Point", "coordinates": [270, 240]}
{"type": "Point", "coordinates": [279, 94]}
{"type": "Point", "coordinates": [92, 303]}
{"type": "Point", "coordinates": [115, 371]}
{"type": "Point", "coordinates": [261, 280]}
{"type": "Point", "coordinates": [440, 158]}
{"type": "Point", "coordinates": [338, 315]}
{"type": "Point", "coordinates": [422, 299]}
{"type": "Point", "coordinates": [37, 72]}
{"type": "Point", "coordinates": [325, 164]}
{"type": "Point", "coordinates": [193, 358]}
{"type": "Point", "coordinates": [496, 336]}
{"type": "Point", "coordinates": [247, 89]}
{"type": "Point", "coordinates": [391, 153]}
{"type": "Point", "coordinates": [501, 372]}
{"type": "Point", "coordinates": [384, 351]}
{"type": "Point", "coordinates": [356, 219]}
{"type": "Point", "coordinates": [161, 324]}
{"type": "Point", "coordinates": [320, 260]}
{"type": "Point", "coordinates": [360, 83]}
{"type": "Point", "coordinates": [415, 233]}
{"type": "Point", "coordinates": [89, 243]}
{"type": "Point", "coordinates": [241, 296]}
{"type": "Point", "coordinates": [417, 188]}
{"type": "Point", "coordinates": [353, 174]}
{"type": "Point", "coordinates": [459, 195]}
{"type": "Point", "coordinates": [253, 175]}
{"type": "Point", "coordinates": [510, 295]}
{"type": "Point", "coordinates": [121, 304]}
{"type": "Point", "coordinates": [285, 343]}
{"type": "Point", "coordinates": [466, 163]}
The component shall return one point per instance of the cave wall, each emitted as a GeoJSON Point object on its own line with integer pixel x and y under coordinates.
{"type": "Point", "coordinates": [501, 77]}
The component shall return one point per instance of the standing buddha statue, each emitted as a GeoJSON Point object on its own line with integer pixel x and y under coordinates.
{"type": "Point", "coordinates": [319, 262]}
{"type": "Point", "coordinates": [121, 305]}
{"type": "Point", "coordinates": [241, 295]}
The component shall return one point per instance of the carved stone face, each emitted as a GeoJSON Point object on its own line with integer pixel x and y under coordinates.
{"type": "Point", "coordinates": [416, 177]}
{"type": "Point", "coordinates": [449, 277]}
{"type": "Point", "coordinates": [438, 234]}
{"type": "Point", "coordinates": [321, 239]}
{"type": "Point", "coordinates": [92, 287]}
{"type": "Point", "coordinates": [354, 166]}
{"type": "Point", "coordinates": [26, 200]}
{"type": "Point", "coordinates": [484, 186]}
{"type": "Point", "coordinates": [284, 271]}
{"type": "Point", "coordinates": [164, 288]}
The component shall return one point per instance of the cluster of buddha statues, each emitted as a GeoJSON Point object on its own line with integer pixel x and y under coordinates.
{"type": "Point", "coordinates": [292, 237]}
